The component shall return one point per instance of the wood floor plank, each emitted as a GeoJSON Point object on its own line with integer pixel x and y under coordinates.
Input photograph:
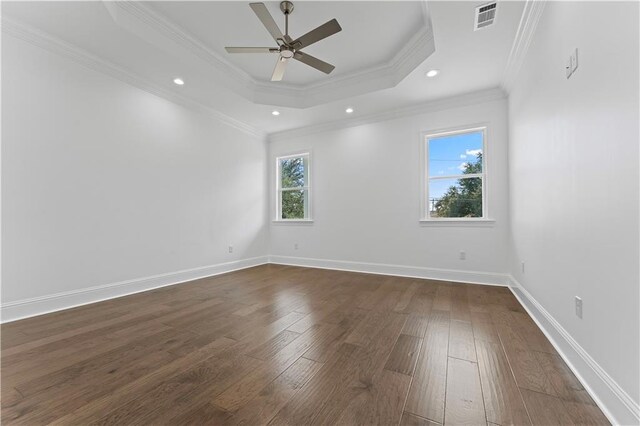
{"type": "Point", "coordinates": [377, 403]}
{"type": "Point", "coordinates": [464, 404]}
{"type": "Point", "coordinates": [461, 342]}
{"type": "Point", "coordinates": [261, 409]}
{"type": "Point", "coordinates": [249, 386]}
{"type": "Point", "coordinates": [279, 344]}
{"type": "Point", "coordinates": [33, 351]}
{"type": "Point", "coordinates": [502, 400]}
{"type": "Point", "coordinates": [324, 349]}
{"type": "Point", "coordinates": [204, 414]}
{"type": "Point", "coordinates": [442, 302]}
{"type": "Point", "coordinates": [73, 333]}
{"type": "Point", "coordinates": [409, 419]}
{"type": "Point", "coordinates": [483, 327]}
{"type": "Point", "coordinates": [536, 340]}
{"type": "Point", "coordinates": [37, 363]}
{"type": "Point", "coordinates": [404, 355]}
{"type": "Point", "coordinates": [182, 393]}
{"type": "Point", "coordinates": [421, 304]}
{"type": "Point", "coordinates": [545, 410]}
{"type": "Point", "coordinates": [406, 297]}
{"type": "Point", "coordinates": [565, 384]}
{"type": "Point", "coordinates": [302, 409]}
{"type": "Point", "coordinates": [105, 365]}
{"type": "Point", "coordinates": [524, 364]}
{"type": "Point", "coordinates": [358, 371]}
{"type": "Point", "coordinates": [460, 310]}
{"type": "Point", "coordinates": [427, 393]}
{"type": "Point", "coordinates": [365, 370]}
{"type": "Point", "coordinates": [89, 412]}
{"type": "Point", "coordinates": [585, 414]}
{"type": "Point", "coordinates": [269, 348]}
{"type": "Point", "coordinates": [416, 325]}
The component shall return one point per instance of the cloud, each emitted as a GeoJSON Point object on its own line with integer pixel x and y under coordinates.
{"type": "Point", "coordinates": [463, 156]}
{"type": "Point", "coordinates": [473, 152]}
{"type": "Point", "coordinates": [462, 166]}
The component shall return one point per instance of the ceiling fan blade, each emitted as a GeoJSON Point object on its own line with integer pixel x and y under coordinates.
{"type": "Point", "coordinates": [251, 49]}
{"type": "Point", "coordinates": [323, 31]}
{"type": "Point", "coordinates": [314, 62]}
{"type": "Point", "coordinates": [267, 20]}
{"type": "Point", "coordinates": [278, 72]}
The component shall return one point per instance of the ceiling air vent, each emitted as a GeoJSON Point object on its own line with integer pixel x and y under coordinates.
{"type": "Point", "coordinates": [485, 15]}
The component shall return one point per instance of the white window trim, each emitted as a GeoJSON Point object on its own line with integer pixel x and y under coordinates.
{"type": "Point", "coordinates": [425, 219]}
{"type": "Point", "coordinates": [307, 187]}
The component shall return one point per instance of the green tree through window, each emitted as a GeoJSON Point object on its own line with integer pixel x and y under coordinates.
{"type": "Point", "coordinates": [293, 194]}
{"type": "Point", "coordinates": [464, 199]}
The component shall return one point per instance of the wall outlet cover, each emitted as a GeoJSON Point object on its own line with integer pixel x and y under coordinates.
{"type": "Point", "coordinates": [578, 301]}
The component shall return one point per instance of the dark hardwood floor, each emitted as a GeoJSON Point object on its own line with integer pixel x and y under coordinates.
{"type": "Point", "coordinates": [286, 345]}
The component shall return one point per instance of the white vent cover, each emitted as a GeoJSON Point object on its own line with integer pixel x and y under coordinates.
{"type": "Point", "coordinates": [485, 15]}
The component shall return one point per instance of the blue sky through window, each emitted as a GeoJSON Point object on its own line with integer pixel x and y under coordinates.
{"type": "Point", "coordinates": [448, 156]}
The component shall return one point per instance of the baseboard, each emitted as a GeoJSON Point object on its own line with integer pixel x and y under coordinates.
{"type": "Point", "coordinates": [473, 277]}
{"type": "Point", "coordinates": [26, 308]}
{"type": "Point", "coordinates": [614, 402]}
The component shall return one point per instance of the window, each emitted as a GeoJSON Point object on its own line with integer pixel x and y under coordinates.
{"type": "Point", "coordinates": [293, 187]}
{"type": "Point", "coordinates": [455, 175]}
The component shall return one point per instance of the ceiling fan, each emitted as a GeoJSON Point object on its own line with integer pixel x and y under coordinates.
{"type": "Point", "coordinates": [287, 47]}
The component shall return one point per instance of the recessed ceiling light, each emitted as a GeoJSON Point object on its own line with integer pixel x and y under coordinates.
{"type": "Point", "coordinates": [178, 81]}
{"type": "Point", "coordinates": [275, 112]}
{"type": "Point", "coordinates": [348, 110]}
{"type": "Point", "coordinates": [432, 73]}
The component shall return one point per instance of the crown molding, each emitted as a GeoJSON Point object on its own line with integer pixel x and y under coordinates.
{"type": "Point", "coordinates": [472, 98]}
{"type": "Point", "coordinates": [55, 45]}
{"type": "Point", "coordinates": [524, 35]}
{"type": "Point", "coordinates": [147, 23]}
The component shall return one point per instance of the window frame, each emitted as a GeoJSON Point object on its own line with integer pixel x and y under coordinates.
{"type": "Point", "coordinates": [425, 137]}
{"type": "Point", "coordinates": [306, 155]}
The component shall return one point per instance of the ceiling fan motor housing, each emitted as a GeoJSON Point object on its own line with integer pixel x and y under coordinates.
{"type": "Point", "coordinates": [286, 52]}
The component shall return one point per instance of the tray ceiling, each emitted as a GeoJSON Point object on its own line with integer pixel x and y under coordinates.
{"type": "Point", "coordinates": [380, 44]}
{"type": "Point", "coordinates": [148, 50]}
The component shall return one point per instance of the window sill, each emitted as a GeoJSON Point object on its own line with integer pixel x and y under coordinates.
{"type": "Point", "coordinates": [292, 221]}
{"type": "Point", "coordinates": [486, 223]}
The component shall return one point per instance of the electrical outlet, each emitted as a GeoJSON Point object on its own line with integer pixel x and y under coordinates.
{"type": "Point", "coordinates": [230, 249]}
{"type": "Point", "coordinates": [463, 255]}
{"type": "Point", "coordinates": [522, 265]}
{"type": "Point", "coordinates": [295, 246]}
{"type": "Point", "coordinates": [578, 307]}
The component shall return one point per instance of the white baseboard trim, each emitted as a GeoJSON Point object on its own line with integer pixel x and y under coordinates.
{"type": "Point", "coordinates": [473, 277]}
{"type": "Point", "coordinates": [26, 308]}
{"type": "Point", "coordinates": [614, 402]}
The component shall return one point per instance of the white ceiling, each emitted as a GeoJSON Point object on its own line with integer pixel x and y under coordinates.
{"type": "Point", "coordinates": [468, 60]}
{"type": "Point", "coordinates": [371, 33]}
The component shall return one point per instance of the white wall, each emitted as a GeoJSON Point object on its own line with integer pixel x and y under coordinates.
{"type": "Point", "coordinates": [574, 183]}
{"type": "Point", "coordinates": [366, 197]}
{"type": "Point", "coordinates": [103, 182]}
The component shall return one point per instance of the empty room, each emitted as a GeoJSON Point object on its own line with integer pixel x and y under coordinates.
{"type": "Point", "coordinates": [320, 212]}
